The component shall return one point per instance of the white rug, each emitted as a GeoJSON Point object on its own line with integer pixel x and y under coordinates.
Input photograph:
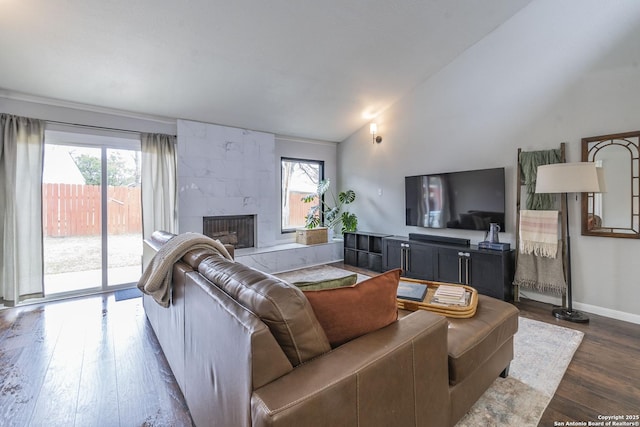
{"type": "Point", "coordinates": [542, 353]}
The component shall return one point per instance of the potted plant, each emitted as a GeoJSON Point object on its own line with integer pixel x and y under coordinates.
{"type": "Point", "coordinates": [328, 213]}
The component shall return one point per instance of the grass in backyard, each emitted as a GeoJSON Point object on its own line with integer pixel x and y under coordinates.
{"type": "Point", "coordinates": [82, 253]}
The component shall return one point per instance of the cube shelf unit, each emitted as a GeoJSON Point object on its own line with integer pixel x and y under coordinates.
{"type": "Point", "coordinates": [364, 250]}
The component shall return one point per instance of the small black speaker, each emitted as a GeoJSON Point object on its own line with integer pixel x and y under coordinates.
{"type": "Point", "coordinates": [430, 238]}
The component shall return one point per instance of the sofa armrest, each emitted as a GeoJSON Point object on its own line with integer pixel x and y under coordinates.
{"type": "Point", "coordinates": [397, 375]}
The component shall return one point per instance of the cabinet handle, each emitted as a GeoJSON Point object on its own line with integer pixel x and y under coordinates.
{"type": "Point", "coordinates": [466, 256]}
{"type": "Point", "coordinates": [407, 259]}
{"type": "Point", "coordinates": [467, 271]}
{"type": "Point", "coordinates": [402, 256]}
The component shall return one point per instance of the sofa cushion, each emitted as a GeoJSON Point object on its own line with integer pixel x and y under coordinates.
{"type": "Point", "coordinates": [339, 282]}
{"type": "Point", "coordinates": [349, 312]}
{"type": "Point", "coordinates": [281, 306]}
{"type": "Point", "coordinates": [474, 340]}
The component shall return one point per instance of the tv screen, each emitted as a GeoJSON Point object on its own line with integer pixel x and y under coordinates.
{"type": "Point", "coordinates": [469, 200]}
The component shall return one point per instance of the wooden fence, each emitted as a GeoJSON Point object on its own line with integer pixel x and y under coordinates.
{"type": "Point", "coordinates": [298, 209]}
{"type": "Point", "coordinates": [74, 210]}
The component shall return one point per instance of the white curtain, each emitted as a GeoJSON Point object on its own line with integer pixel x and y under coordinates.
{"type": "Point", "coordinates": [159, 184]}
{"type": "Point", "coordinates": [21, 157]}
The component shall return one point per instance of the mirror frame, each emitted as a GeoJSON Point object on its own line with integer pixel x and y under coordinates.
{"type": "Point", "coordinates": [630, 141]}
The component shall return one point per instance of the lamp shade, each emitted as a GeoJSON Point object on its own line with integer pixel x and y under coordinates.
{"type": "Point", "coordinates": [581, 177]}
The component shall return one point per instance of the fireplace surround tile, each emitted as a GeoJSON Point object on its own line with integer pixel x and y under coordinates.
{"type": "Point", "coordinates": [227, 171]}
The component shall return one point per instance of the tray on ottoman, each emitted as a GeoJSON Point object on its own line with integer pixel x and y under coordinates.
{"type": "Point", "coordinates": [461, 311]}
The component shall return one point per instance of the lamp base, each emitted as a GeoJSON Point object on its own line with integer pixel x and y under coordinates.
{"type": "Point", "coordinates": [571, 316]}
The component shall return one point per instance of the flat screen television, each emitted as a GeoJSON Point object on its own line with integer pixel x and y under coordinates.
{"type": "Point", "coordinates": [469, 200]}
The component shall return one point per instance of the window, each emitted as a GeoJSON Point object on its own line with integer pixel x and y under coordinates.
{"type": "Point", "coordinates": [299, 178]}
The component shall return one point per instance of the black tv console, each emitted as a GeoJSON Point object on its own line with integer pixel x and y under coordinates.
{"type": "Point", "coordinates": [452, 261]}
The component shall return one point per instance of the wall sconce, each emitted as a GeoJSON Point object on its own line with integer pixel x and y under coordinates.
{"type": "Point", "coordinates": [373, 129]}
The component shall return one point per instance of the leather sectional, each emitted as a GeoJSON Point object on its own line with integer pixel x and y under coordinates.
{"type": "Point", "coordinates": [247, 350]}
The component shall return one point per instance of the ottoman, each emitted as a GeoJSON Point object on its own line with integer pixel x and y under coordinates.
{"type": "Point", "coordinates": [480, 348]}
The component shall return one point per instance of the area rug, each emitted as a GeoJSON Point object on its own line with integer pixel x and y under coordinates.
{"type": "Point", "coordinates": [542, 353]}
{"type": "Point", "coordinates": [125, 294]}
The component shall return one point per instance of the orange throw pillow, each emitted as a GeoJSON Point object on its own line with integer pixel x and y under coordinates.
{"type": "Point", "coordinates": [349, 312]}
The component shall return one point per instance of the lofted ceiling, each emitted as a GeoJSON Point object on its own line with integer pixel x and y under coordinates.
{"type": "Point", "coordinates": [311, 69]}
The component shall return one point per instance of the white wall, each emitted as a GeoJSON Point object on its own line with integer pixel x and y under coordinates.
{"type": "Point", "coordinates": [556, 72]}
{"type": "Point", "coordinates": [69, 112]}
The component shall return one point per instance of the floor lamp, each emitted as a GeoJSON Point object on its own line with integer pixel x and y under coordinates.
{"type": "Point", "coordinates": [566, 178]}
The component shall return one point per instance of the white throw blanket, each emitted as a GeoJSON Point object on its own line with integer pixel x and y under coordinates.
{"type": "Point", "coordinates": [539, 233]}
{"type": "Point", "coordinates": [156, 278]}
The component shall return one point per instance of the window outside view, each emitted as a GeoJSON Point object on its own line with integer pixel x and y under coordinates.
{"type": "Point", "coordinates": [299, 178]}
{"type": "Point", "coordinates": [77, 252]}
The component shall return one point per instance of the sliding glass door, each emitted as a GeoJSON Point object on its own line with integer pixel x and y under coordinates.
{"type": "Point", "coordinates": [92, 216]}
{"type": "Point", "coordinates": [123, 232]}
{"type": "Point", "coordinates": [71, 214]}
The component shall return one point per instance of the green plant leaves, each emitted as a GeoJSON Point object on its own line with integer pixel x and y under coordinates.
{"type": "Point", "coordinates": [331, 215]}
{"type": "Point", "coordinates": [309, 198]}
{"type": "Point", "coordinates": [347, 197]}
{"type": "Point", "coordinates": [323, 186]}
{"type": "Point", "coordinates": [312, 221]}
{"type": "Point", "coordinates": [325, 215]}
{"type": "Point", "coordinates": [349, 222]}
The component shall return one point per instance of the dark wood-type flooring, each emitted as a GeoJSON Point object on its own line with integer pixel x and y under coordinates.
{"type": "Point", "coordinates": [93, 361]}
{"type": "Point", "coordinates": [90, 361]}
{"type": "Point", "coordinates": [604, 375]}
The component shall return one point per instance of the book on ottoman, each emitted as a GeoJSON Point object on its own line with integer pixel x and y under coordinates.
{"type": "Point", "coordinates": [411, 291]}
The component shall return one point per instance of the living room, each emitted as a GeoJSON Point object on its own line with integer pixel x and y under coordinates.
{"type": "Point", "coordinates": [541, 74]}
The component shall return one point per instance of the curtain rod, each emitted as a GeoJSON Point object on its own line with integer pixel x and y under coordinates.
{"type": "Point", "coordinates": [97, 127]}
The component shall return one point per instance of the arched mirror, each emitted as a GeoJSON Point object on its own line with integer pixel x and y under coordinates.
{"type": "Point", "coordinates": [615, 212]}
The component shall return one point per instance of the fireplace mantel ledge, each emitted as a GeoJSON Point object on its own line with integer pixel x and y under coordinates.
{"type": "Point", "coordinates": [280, 247]}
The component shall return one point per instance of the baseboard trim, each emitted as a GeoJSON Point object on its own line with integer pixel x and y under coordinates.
{"type": "Point", "coordinates": [607, 312]}
{"type": "Point", "coordinates": [601, 311]}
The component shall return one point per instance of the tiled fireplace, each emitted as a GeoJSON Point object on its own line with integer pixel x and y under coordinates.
{"type": "Point", "coordinates": [228, 172]}
{"type": "Point", "coordinates": [228, 178]}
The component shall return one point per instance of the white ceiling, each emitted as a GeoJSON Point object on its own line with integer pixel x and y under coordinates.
{"type": "Point", "coordinates": [305, 68]}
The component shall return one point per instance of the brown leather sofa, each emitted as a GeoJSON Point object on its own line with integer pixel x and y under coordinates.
{"type": "Point", "coordinates": [247, 350]}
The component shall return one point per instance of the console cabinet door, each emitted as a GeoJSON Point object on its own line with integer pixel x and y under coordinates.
{"type": "Point", "coordinates": [415, 259]}
{"type": "Point", "coordinates": [448, 266]}
{"type": "Point", "coordinates": [392, 254]}
{"type": "Point", "coordinates": [419, 261]}
{"type": "Point", "coordinates": [488, 273]}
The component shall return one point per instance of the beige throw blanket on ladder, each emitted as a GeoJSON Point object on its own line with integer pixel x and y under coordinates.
{"type": "Point", "coordinates": [539, 233]}
{"type": "Point", "coordinates": [156, 278]}
{"type": "Point", "coordinates": [540, 274]}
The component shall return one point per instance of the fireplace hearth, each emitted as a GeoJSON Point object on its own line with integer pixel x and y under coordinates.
{"type": "Point", "coordinates": [236, 230]}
